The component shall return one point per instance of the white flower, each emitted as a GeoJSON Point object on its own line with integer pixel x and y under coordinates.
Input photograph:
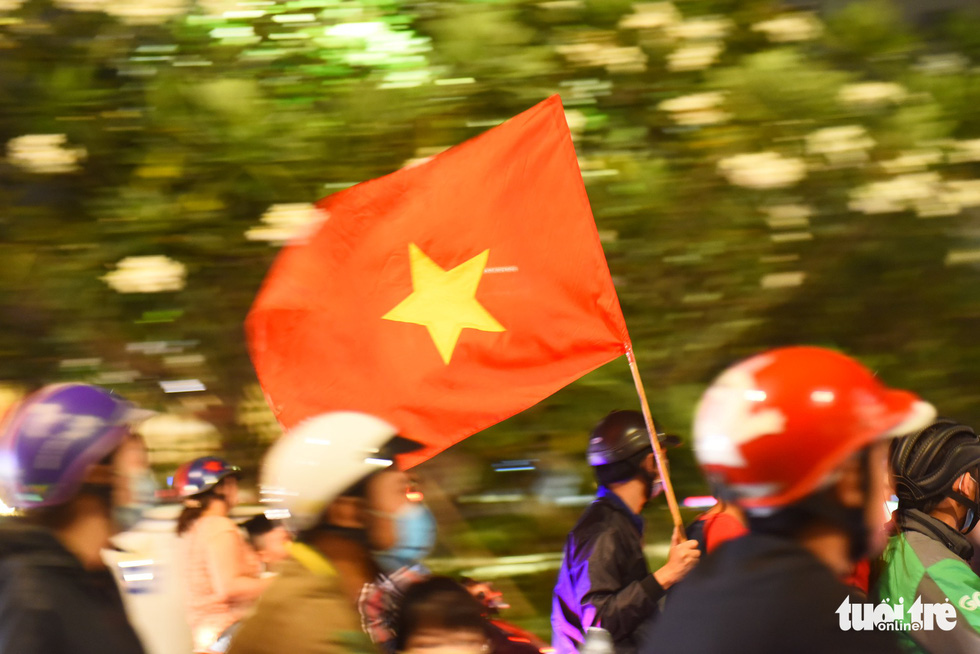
{"type": "Point", "coordinates": [582, 54]}
{"type": "Point", "coordinates": [925, 193]}
{"type": "Point", "coordinates": [965, 193]}
{"type": "Point", "coordinates": [44, 153]}
{"type": "Point", "coordinates": [693, 57]}
{"type": "Point", "coordinates": [965, 151]}
{"type": "Point", "coordinates": [783, 279]}
{"type": "Point", "coordinates": [783, 216]}
{"type": "Point", "coordinates": [700, 29]}
{"type": "Point", "coordinates": [219, 7]}
{"type": "Point", "coordinates": [282, 223]}
{"type": "Point", "coordinates": [802, 26]}
{"type": "Point", "coordinates": [696, 109]}
{"type": "Point", "coordinates": [612, 58]}
{"type": "Point", "coordinates": [942, 64]}
{"type": "Point", "coordinates": [651, 15]}
{"type": "Point", "coordinates": [844, 145]}
{"type": "Point", "coordinates": [897, 194]}
{"type": "Point", "coordinates": [82, 5]}
{"type": "Point", "coordinates": [762, 170]}
{"type": "Point", "coordinates": [559, 5]}
{"type": "Point", "coordinates": [912, 161]}
{"type": "Point", "coordinates": [149, 274]}
{"type": "Point", "coordinates": [576, 121]}
{"type": "Point", "coordinates": [871, 94]}
{"type": "Point", "coordinates": [146, 12]}
{"type": "Point", "coordinates": [960, 257]}
{"type": "Point", "coordinates": [627, 59]}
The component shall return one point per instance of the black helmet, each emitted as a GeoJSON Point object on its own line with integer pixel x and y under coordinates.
{"type": "Point", "coordinates": [927, 463]}
{"type": "Point", "coordinates": [621, 435]}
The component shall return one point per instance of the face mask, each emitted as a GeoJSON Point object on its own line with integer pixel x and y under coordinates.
{"type": "Point", "coordinates": [652, 486]}
{"type": "Point", "coordinates": [142, 493]}
{"type": "Point", "coordinates": [415, 534]}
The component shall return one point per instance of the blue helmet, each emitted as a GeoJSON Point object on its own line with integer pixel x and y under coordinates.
{"type": "Point", "coordinates": [201, 475]}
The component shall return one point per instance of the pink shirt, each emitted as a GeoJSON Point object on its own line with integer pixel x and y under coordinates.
{"type": "Point", "coordinates": [215, 553]}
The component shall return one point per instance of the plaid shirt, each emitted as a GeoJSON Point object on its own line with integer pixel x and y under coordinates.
{"type": "Point", "coordinates": [379, 602]}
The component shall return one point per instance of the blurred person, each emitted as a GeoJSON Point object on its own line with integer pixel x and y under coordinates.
{"type": "Point", "coordinates": [70, 463]}
{"type": "Point", "coordinates": [798, 438]}
{"type": "Point", "coordinates": [223, 577]}
{"type": "Point", "coordinates": [269, 540]}
{"type": "Point", "coordinates": [336, 478]}
{"type": "Point", "coordinates": [937, 481]}
{"type": "Point", "coordinates": [719, 524]}
{"type": "Point", "coordinates": [439, 616]}
{"type": "Point", "coordinates": [400, 567]}
{"type": "Point", "coordinates": [504, 637]}
{"type": "Point", "coordinates": [413, 534]}
{"type": "Point", "coordinates": [604, 580]}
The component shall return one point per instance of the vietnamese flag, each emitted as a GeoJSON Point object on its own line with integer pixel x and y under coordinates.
{"type": "Point", "coordinates": [447, 296]}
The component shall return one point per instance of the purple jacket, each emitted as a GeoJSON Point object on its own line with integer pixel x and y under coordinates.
{"type": "Point", "coordinates": [604, 580]}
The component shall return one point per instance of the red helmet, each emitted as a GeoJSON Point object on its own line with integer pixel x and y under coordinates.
{"type": "Point", "coordinates": [771, 429]}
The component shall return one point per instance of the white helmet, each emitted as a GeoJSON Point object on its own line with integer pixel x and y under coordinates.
{"type": "Point", "coordinates": [318, 459]}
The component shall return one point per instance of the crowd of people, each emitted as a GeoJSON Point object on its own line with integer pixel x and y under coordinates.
{"type": "Point", "coordinates": [802, 447]}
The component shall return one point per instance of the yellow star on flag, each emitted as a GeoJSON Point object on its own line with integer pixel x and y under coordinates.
{"type": "Point", "coordinates": [444, 301]}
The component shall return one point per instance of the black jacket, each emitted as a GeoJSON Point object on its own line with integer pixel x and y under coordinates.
{"type": "Point", "coordinates": [604, 580]}
{"type": "Point", "coordinates": [764, 595]}
{"type": "Point", "coordinates": [50, 604]}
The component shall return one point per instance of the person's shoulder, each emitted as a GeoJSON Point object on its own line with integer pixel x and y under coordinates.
{"type": "Point", "coordinates": [216, 524]}
{"type": "Point", "coordinates": [597, 523]}
{"type": "Point", "coordinates": [598, 515]}
{"type": "Point", "coordinates": [27, 584]}
{"type": "Point", "coordinates": [307, 610]}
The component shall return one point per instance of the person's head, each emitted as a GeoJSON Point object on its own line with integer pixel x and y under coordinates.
{"type": "Point", "coordinates": [937, 471]}
{"type": "Point", "coordinates": [68, 461]}
{"type": "Point", "coordinates": [336, 473]}
{"type": "Point", "coordinates": [269, 538]}
{"type": "Point", "coordinates": [798, 438]}
{"type": "Point", "coordinates": [439, 615]}
{"type": "Point", "coordinates": [207, 485]}
{"type": "Point", "coordinates": [620, 452]}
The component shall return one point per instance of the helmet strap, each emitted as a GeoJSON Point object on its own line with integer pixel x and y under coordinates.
{"type": "Point", "coordinates": [972, 505]}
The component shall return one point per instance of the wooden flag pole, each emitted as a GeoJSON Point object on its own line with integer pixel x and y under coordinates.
{"type": "Point", "coordinates": [658, 452]}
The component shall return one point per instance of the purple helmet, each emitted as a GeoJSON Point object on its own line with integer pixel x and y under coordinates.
{"type": "Point", "coordinates": [201, 475]}
{"type": "Point", "coordinates": [50, 440]}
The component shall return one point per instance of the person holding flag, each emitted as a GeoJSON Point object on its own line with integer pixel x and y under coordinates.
{"type": "Point", "coordinates": [604, 580]}
{"type": "Point", "coordinates": [798, 438]}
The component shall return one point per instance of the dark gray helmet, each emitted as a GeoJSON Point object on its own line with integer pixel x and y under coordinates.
{"type": "Point", "coordinates": [927, 463]}
{"type": "Point", "coordinates": [620, 435]}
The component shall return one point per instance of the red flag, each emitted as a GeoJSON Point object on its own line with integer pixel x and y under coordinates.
{"type": "Point", "coordinates": [444, 297]}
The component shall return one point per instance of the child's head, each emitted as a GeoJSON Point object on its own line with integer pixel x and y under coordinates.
{"type": "Point", "coordinates": [268, 537]}
{"type": "Point", "coordinates": [439, 615]}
